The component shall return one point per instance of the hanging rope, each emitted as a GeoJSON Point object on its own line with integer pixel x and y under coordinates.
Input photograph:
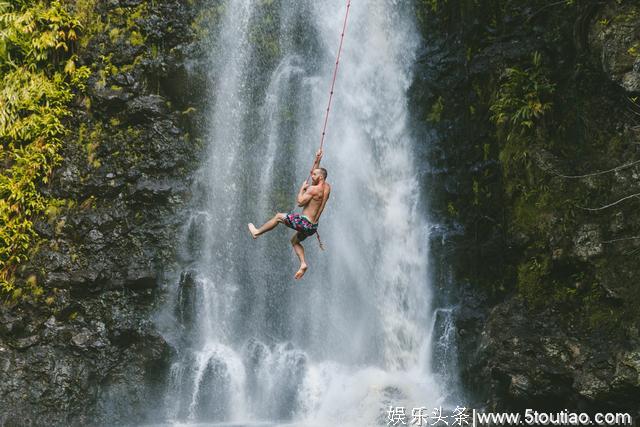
{"type": "Point", "coordinates": [335, 74]}
{"type": "Point", "coordinates": [333, 84]}
{"type": "Point", "coordinates": [333, 80]}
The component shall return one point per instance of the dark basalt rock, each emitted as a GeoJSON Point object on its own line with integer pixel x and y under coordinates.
{"type": "Point", "coordinates": [530, 362]}
{"type": "Point", "coordinates": [74, 359]}
{"type": "Point", "coordinates": [145, 107]}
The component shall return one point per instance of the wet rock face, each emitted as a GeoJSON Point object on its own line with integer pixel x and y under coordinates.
{"type": "Point", "coordinates": [527, 362]}
{"type": "Point", "coordinates": [95, 362]}
{"type": "Point", "coordinates": [615, 41]}
{"type": "Point", "coordinates": [90, 354]}
{"type": "Point", "coordinates": [545, 316]}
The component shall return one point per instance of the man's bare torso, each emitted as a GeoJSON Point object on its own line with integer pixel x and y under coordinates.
{"type": "Point", "coordinates": [314, 208]}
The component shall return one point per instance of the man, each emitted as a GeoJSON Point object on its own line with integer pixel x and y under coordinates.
{"type": "Point", "coordinates": [312, 198]}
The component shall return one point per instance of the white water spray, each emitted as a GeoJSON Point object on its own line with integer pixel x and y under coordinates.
{"type": "Point", "coordinates": [353, 336]}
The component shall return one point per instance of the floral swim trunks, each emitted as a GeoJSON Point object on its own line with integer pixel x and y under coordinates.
{"type": "Point", "coordinates": [301, 224]}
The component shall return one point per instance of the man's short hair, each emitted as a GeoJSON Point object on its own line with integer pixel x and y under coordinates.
{"type": "Point", "coordinates": [323, 171]}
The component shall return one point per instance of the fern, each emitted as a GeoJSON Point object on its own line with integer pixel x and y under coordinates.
{"type": "Point", "coordinates": [37, 61]}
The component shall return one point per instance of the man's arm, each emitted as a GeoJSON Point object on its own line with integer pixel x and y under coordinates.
{"type": "Point", "coordinates": [304, 196]}
{"type": "Point", "coordinates": [316, 163]}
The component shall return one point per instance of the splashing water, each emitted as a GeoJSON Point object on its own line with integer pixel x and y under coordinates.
{"type": "Point", "coordinates": [353, 336]}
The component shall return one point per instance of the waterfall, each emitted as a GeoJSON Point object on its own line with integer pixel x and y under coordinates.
{"type": "Point", "coordinates": [353, 337]}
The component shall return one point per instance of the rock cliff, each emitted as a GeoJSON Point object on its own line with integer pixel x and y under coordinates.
{"type": "Point", "coordinates": [89, 353]}
{"type": "Point", "coordinates": [530, 110]}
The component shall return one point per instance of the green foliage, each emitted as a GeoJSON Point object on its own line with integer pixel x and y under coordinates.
{"type": "Point", "coordinates": [207, 20]}
{"type": "Point", "coordinates": [38, 65]}
{"type": "Point", "coordinates": [35, 33]}
{"type": "Point", "coordinates": [532, 276]}
{"type": "Point", "coordinates": [522, 98]}
{"type": "Point", "coordinates": [264, 31]}
{"type": "Point", "coordinates": [435, 115]}
{"type": "Point", "coordinates": [518, 107]}
{"type": "Point", "coordinates": [435, 5]}
{"type": "Point", "coordinates": [123, 24]}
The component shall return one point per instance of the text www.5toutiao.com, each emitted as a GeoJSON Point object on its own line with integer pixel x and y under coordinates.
{"type": "Point", "coordinates": [562, 418]}
{"type": "Point", "coordinates": [462, 416]}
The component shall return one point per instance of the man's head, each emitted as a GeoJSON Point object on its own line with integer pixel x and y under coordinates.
{"type": "Point", "coordinates": [318, 174]}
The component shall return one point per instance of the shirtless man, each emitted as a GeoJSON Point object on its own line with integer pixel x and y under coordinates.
{"type": "Point", "coordinates": [312, 199]}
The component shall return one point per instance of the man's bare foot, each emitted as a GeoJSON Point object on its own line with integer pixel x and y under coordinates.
{"type": "Point", "coordinates": [253, 230]}
{"type": "Point", "coordinates": [300, 273]}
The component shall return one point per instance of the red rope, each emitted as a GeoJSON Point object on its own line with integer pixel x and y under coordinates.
{"type": "Point", "coordinates": [335, 73]}
{"type": "Point", "coordinates": [333, 84]}
{"type": "Point", "coordinates": [333, 81]}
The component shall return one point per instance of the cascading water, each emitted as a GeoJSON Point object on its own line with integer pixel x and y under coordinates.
{"type": "Point", "coordinates": [353, 336]}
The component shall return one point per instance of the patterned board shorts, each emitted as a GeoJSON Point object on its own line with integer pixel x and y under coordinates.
{"type": "Point", "coordinates": [301, 224]}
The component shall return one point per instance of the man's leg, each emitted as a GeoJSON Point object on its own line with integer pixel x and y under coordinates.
{"type": "Point", "coordinates": [268, 226]}
{"type": "Point", "coordinates": [299, 250]}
